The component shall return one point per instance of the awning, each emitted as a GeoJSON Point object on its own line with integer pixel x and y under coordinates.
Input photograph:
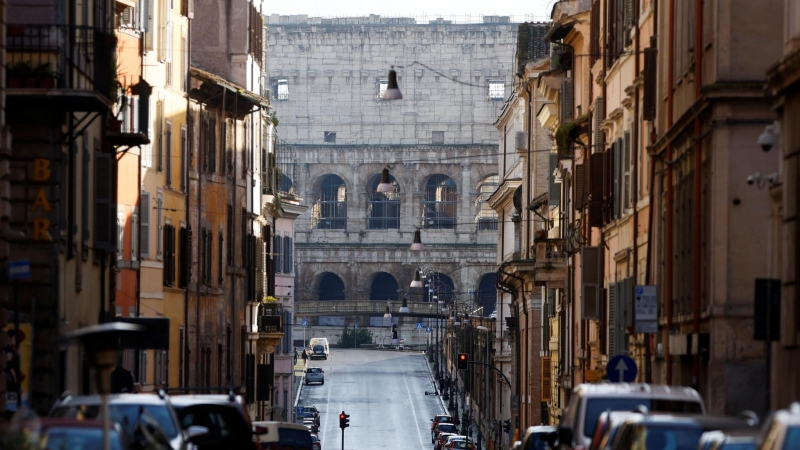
{"type": "Point", "coordinates": [238, 100]}
{"type": "Point", "coordinates": [557, 32]}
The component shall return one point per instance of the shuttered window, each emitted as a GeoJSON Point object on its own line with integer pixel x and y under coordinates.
{"type": "Point", "coordinates": [616, 192]}
{"type": "Point", "coordinates": [547, 373]}
{"type": "Point", "coordinates": [159, 222]}
{"type": "Point", "coordinates": [85, 234]}
{"type": "Point", "coordinates": [287, 254]}
{"type": "Point", "coordinates": [627, 152]}
{"type": "Point", "coordinates": [159, 135]}
{"type": "Point", "coordinates": [592, 279]}
{"type": "Point", "coordinates": [168, 152]}
{"type": "Point", "coordinates": [183, 151]}
{"type": "Point", "coordinates": [220, 277]}
{"type": "Point", "coordinates": [211, 143]}
{"type": "Point", "coordinates": [145, 224]}
{"type": "Point", "coordinates": [134, 236]}
{"type": "Point", "coordinates": [149, 25]}
{"type": "Point", "coordinates": [596, 189]}
{"type": "Point", "coordinates": [259, 264]}
{"type": "Point", "coordinates": [554, 189]}
{"type": "Point", "coordinates": [183, 257]}
{"type": "Point", "coordinates": [105, 211]}
{"type": "Point", "coordinates": [567, 101]}
{"type": "Point", "coordinates": [169, 255]}
{"type": "Point", "coordinates": [230, 235]}
{"type": "Point", "coordinates": [209, 255]}
{"type": "Point", "coordinates": [613, 343]}
{"type": "Point", "coordinates": [579, 182]}
{"type": "Point", "coordinates": [650, 80]}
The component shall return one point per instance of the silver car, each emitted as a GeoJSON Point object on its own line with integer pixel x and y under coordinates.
{"type": "Point", "coordinates": [315, 375]}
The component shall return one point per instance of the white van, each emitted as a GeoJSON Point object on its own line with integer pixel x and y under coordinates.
{"type": "Point", "coordinates": [318, 348]}
{"type": "Point", "coordinates": [588, 401]}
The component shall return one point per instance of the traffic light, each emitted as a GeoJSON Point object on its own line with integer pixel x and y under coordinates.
{"type": "Point", "coordinates": [507, 425]}
{"type": "Point", "coordinates": [344, 420]}
{"type": "Point", "coordinates": [463, 361]}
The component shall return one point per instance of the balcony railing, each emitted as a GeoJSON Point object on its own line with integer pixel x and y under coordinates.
{"type": "Point", "coordinates": [270, 324]}
{"type": "Point", "coordinates": [60, 56]}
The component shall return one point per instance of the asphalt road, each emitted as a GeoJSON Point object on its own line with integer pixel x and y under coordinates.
{"type": "Point", "coordinates": [384, 393]}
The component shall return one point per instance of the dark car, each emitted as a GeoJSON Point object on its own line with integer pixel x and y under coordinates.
{"type": "Point", "coordinates": [318, 351]}
{"type": "Point", "coordinates": [536, 437]}
{"type": "Point", "coordinates": [224, 416]}
{"type": "Point", "coordinates": [74, 434]}
{"type": "Point", "coordinates": [671, 432]}
{"type": "Point", "coordinates": [133, 412]}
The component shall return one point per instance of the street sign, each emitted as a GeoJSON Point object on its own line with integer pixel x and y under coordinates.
{"type": "Point", "coordinates": [621, 369]}
{"type": "Point", "coordinates": [305, 324]}
{"type": "Point", "coordinates": [428, 330]}
{"type": "Point", "coordinates": [299, 411]}
{"type": "Point", "coordinates": [355, 326]}
{"type": "Point", "coordinates": [646, 309]}
{"type": "Point", "coordinates": [419, 325]}
{"type": "Point", "coordinates": [20, 269]}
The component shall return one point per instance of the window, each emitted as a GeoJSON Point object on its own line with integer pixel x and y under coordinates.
{"type": "Point", "coordinates": [230, 235]}
{"type": "Point", "coordinates": [220, 277]}
{"type": "Point", "coordinates": [145, 224]}
{"type": "Point", "coordinates": [182, 174]}
{"type": "Point", "coordinates": [169, 255]}
{"type": "Point", "coordinates": [497, 89]}
{"type": "Point", "coordinates": [162, 367]}
{"type": "Point", "coordinates": [159, 136]}
{"type": "Point", "coordinates": [384, 287]}
{"type": "Point", "coordinates": [287, 254]}
{"type": "Point", "coordinates": [160, 218]}
{"type": "Point", "coordinates": [486, 217]}
{"type": "Point", "coordinates": [184, 247]}
{"type": "Point", "coordinates": [382, 86]}
{"type": "Point", "coordinates": [120, 234]}
{"type": "Point", "coordinates": [277, 255]}
{"type": "Point", "coordinates": [383, 211]}
{"type": "Point", "coordinates": [134, 236]}
{"type": "Point", "coordinates": [330, 137]}
{"type": "Point", "coordinates": [330, 211]}
{"type": "Point", "coordinates": [440, 204]}
{"type": "Point", "coordinates": [168, 152]}
{"type": "Point", "coordinates": [283, 89]}
{"type": "Point", "coordinates": [437, 137]}
{"type": "Point", "coordinates": [286, 184]}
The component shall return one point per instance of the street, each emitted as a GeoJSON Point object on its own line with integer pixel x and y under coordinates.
{"type": "Point", "coordinates": [384, 394]}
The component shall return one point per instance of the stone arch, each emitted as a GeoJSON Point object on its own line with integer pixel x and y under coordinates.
{"type": "Point", "coordinates": [285, 184]}
{"type": "Point", "coordinates": [330, 287]}
{"type": "Point", "coordinates": [329, 211]}
{"type": "Point", "coordinates": [383, 208]}
{"type": "Point", "coordinates": [487, 293]}
{"type": "Point", "coordinates": [440, 202]}
{"type": "Point", "coordinates": [384, 286]}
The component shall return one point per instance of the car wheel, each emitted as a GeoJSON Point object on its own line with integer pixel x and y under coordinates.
{"type": "Point", "coordinates": [322, 382]}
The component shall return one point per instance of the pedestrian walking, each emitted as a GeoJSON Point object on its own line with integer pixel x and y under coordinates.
{"type": "Point", "coordinates": [305, 357]}
{"type": "Point", "coordinates": [296, 355]}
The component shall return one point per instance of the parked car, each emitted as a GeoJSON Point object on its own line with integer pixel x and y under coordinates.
{"type": "Point", "coordinates": [659, 431]}
{"type": "Point", "coordinates": [782, 430]}
{"type": "Point", "coordinates": [728, 440]}
{"type": "Point", "coordinates": [459, 445]}
{"type": "Point", "coordinates": [316, 444]}
{"type": "Point", "coordinates": [536, 438]}
{"type": "Point", "coordinates": [441, 438]}
{"type": "Point", "coordinates": [224, 416]}
{"type": "Point", "coordinates": [606, 428]}
{"type": "Point", "coordinates": [312, 425]}
{"type": "Point", "coordinates": [315, 375]}
{"type": "Point", "coordinates": [75, 434]}
{"type": "Point", "coordinates": [442, 428]}
{"type": "Point", "coordinates": [452, 439]}
{"type": "Point", "coordinates": [152, 413]}
{"type": "Point", "coordinates": [281, 436]}
{"type": "Point", "coordinates": [440, 418]}
{"type": "Point", "coordinates": [588, 401]}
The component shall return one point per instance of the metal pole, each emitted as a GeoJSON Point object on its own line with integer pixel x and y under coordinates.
{"type": "Point", "coordinates": [106, 422]}
{"type": "Point", "coordinates": [17, 344]}
{"type": "Point", "coordinates": [342, 438]}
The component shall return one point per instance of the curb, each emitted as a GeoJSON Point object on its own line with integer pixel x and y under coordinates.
{"type": "Point", "coordinates": [433, 382]}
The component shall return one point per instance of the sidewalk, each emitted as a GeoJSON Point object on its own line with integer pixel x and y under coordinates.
{"type": "Point", "coordinates": [461, 407]}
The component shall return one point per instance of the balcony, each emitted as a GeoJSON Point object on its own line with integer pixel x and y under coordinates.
{"type": "Point", "coordinates": [68, 67]}
{"type": "Point", "coordinates": [550, 269]}
{"type": "Point", "coordinates": [267, 329]}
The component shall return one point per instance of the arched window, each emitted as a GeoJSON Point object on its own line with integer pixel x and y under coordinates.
{"type": "Point", "coordinates": [286, 184]}
{"type": "Point", "coordinates": [384, 287]}
{"type": "Point", "coordinates": [331, 287]}
{"type": "Point", "coordinates": [440, 204]}
{"type": "Point", "coordinates": [330, 211]}
{"type": "Point", "coordinates": [486, 217]}
{"type": "Point", "coordinates": [383, 211]}
{"type": "Point", "coordinates": [487, 294]}
{"type": "Point", "coordinates": [440, 285]}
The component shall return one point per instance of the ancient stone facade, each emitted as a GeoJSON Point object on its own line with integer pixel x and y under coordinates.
{"type": "Point", "coordinates": [438, 142]}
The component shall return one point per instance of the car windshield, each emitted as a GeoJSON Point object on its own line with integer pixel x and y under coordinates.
{"type": "Point", "coordinates": [739, 446]}
{"type": "Point", "coordinates": [58, 438]}
{"type": "Point", "coordinates": [314, 370]}
{"type": "Point", "coordinates": [792, 438]}
{"type": "Point", "coordinates": [319, 348]}
{"type": "Point", "coordinates": [596, 406]}
{"type": "Point", "coordinates": [669, 437]}
{"type": "Point", "coordinates": [222, 422]}
{"type": "Point", "coordinates": [125, 414]}
{"type": "Point", "coordinates": [536, 442]}
{"type": "Point", "coordinates": [460, 444]}
{"type": "Point", "coordinates": [445, 419]}
{"type": "Point", "coordinates": [447, 428]}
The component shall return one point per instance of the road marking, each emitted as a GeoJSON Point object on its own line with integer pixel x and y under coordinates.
{"type": "Point", "coordinates": [413, 410]}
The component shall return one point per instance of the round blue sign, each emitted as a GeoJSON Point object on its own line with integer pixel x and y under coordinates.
{"type": "Point", "coordinates": [355, 326]}
{"type": "Point", "coordinates": [305, 324]}
{"type": "Point", "coordinates": [621, 369]}
{"type": "Point", "coordinates": [428, 330]}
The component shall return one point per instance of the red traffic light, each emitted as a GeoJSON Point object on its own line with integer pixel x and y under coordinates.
{"type": "Point", "coordinates": [342, 416]}
{"type": "Point", "coordinates": [462, 357]}
{"type": "Point", "coordinates": [463, 361]}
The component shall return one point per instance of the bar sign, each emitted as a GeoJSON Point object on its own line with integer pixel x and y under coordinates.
{"type": "Point", "coordinates": [20, 269]}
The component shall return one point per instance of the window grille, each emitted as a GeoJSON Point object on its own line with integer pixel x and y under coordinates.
{"type": "Point", "coordinates": [441, 203]}
{"type": "Point", "coordinates": [382, 86]}
{"type": "Point", "coordinates": [283, 89]}
{"type": "Point", "coordinates": [330, 211]}
{"type": "Point", "coordinates": [383, 211]}
{"type": "Point", "coordinates": [497, 89]}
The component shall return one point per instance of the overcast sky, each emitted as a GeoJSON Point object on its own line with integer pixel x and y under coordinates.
{"type": "Point", "coordinates": [457, 10]}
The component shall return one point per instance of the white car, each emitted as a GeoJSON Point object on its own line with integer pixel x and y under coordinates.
{"type": "Point", "coordinates": [315, 375]}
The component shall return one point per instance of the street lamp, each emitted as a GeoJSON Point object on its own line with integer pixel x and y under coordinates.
{"type": "Point", "coordinates": [417, 244]}
{"type": "Point", "coordinates": [392, 91]}
{"type": "Point", "coordinates": [416, 283]}
{"type": "Point", "coordinates": [404, 308]}
{"type": "Point", "coordinates": [385, 185]}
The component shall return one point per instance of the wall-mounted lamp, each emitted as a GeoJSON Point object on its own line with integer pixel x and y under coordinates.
{"type": "Point", "coordinates": [760, 181]}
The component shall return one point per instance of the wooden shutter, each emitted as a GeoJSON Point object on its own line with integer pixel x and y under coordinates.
{"type": "Point", "coordinates": [289, 251]}
{"type": "Point", "coordinates": [650, 87]}
{"type": "Point", "coordinates": [591, 281]}
{"type": "Point", "coordinates": [613, 349]}
{"type": "Point", "coordinates": [147, 15]}
{"type": "Point", "coordinates": [626, 301]}
{"type": "Point", "coordinates": [203, 144]}
{"type": "Point", "coordinates": [259, 267]}
{"type": "Point", "coordinates": [159, 135]}
{"type": "Point", "coordinates": [230, 235]}
{"type": "Point", "coordinates": [617, 174]}
{"type": "Point", "coordinates": [594, 33]}
{"type": "Point", "coordinates": [627, 149]}
{"type": "Point", "coordinates": [579, 182]}
{"type": "Point", "coordinates": [567, 101]}
{"type": "Point", "coordinates": [287, 257]}
{"type": "Point", "coordinates": [599, 116]}
{"type": "Point", "coordinates": [209, 250]}
{"type": "Point", "coordinates": [553, 188]}
{"type": "Point", "coordinates": [277, 255]}
{"type": "Point", "coordinates": [182, 258]}
{"type": "Point", "coordinates": [250, 377]}
{"type": "Point", "coordinates": [212, 145]}
{"type": "Point", "coordinates": [546, 379]}
{"type": "Point", "coordinates": [220, 276]}
{"type": "Point", "coordinates": [105, 211]}
{"type": "Point", "coordinates": [144, 211]}
{"type": "Point", "coordinates": [608, 185]}
{"type": "Point", "coordinates": [596, 188]}
{"type": "Point", "coordinates": [168, 151]}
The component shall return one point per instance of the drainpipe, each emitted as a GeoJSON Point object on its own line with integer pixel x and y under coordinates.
{"type": "Point", "coordinates": [507, 288]}
{"type": "Point", "coordinates": [635, 181]}
{"type": "Point", "coordinates": [529, 125]}
{"type": "Point", "coordinates": [527, 325]}
{"type": "Point", "coordinates": [668, 226]}
{"type": "Point", "coordinates": [698, 184]}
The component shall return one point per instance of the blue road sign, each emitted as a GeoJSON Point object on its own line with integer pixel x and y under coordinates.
{"type": "Point", "coordinates": [355, 326]}
{"type": "Point", "coordinates": [419, 325]}
{"type": "Point", "coordinates": [428, 330]}
{"type": "Point", "coordinates": [621, 368]}
{"type": "Point", "coordinates": [299, 411]}
{"type": "Point", "coordinates": [18, 270]}
{"type": "Point", "coordinates": [305, 324]}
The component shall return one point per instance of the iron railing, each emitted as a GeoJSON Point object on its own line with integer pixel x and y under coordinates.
{"type": "Point", "coordinates": [60, 56]}
{"type": "Point", "coordinates": [358, 307]}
